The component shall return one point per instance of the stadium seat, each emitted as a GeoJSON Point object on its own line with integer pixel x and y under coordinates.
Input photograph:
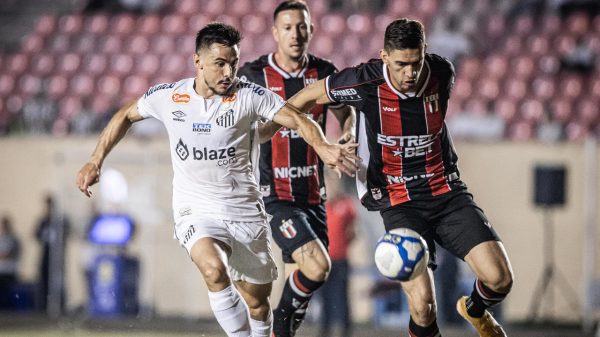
{"type": "Point", "coordinates": [162, 44]}
{"type": "Point", "coordinates": [523, 25]}
{"type": "Point", "coordinates": [593, 87]}
{"type": "Point", "coordinates": [228, 19]}
{"type": "Point", "coordinates": [122, 24]}
{"type": "Point", "coordinates": [551, 24]}
{"type": "Point", "coordinates": [149, 24]}
{"type": "Point", "coordinates": [350, 45]}
{"type": "Point", "coordinates": [57, 87]}
{"type": "Point", "coordinates": [322, 44]}
{"type": "Point", "coordinates": [174, 24]}
{"type": "Point", "coordinates": [576, 131]}
{"type": "Point", "coordinates": [254, 24]}
{"type": "Point", "coordinates": [543, 88]}
{"type": "Point", "coordinates": [587, 112]}
{"type": "Point", "coordinates": [43, 66]}
{"type": "Point", "coordinates": [380, 22]}
{"type": "Point", "coordinates": [70, 24]}
{"type": "Point", "coordinates": [96, 24]}
{"type": "Point", "coordinates": [488, 88]}
{"type": "Point", "coordinates": [469, 68]}
{"type": "Point", "coordinates": [121, 64]}
{"type": "Point", "coordinates": [399, 8]}
{"type": "Point", "coordinates": [521, 131]}
{"type": "Point", "coordinates": [561, 110]}
{"type": "Point", "coordinates": [513, 45]}
{"type": "Point", "coordinates": [85, 43]}
{"type": "Point", "coordinates": [495, 26]}
{"type": "Point", "coordinates": [239, 7]}
{"type": "Point", "coordinates": [523, 66]}
{"type": "Point", "coordinates": [110, 44]}
{"type": "Point", "coordinates": [578, 23]}
{"type": "Point", "coordinates": [7, 84]}
{"type": "Point", "coordinates": [265, 7]}
{"type": "Point", "coordinates": [46, 25]}
{"type": "Point", "coordinates": [32, 44]}
{"type": "Point", "coordinates": [138, 44]}
{"type": "Point", "coordinates": [532, 110]}
{"type": "Point", "coordinates": [135, 85]}
{"type": "Point", "coordinates": [95, 64]}
{"type": "Point", "coordinates": [496, 65]}
{"type": "Point", "coordinates": [82, 84]}
{"type": "Point", "coordinates": [571, 86]}
{"type": "Point", "coordinates": [100, 104]}
{"type": "Point", "coordinates": [462, 90]}
{"type": "Point", "coordinates": [515, 88]}
{"type": "Point", "coordinates": [548, 65]}
{"type": "Point", "coordinates": [69, 106]}
{"type": "Point", "coordinates": [359, 24]}
{"type": "Point", "coordinates": [333, 24]}
{"type": "Point", "coordinates": [187, 7]}
{"type": "Point", "coordinates": [506, 109]}
{"type": "Point", "coordinates": [147, 64]}
{"type": "Point", "coordinates": [196, 22]}
{"type": "Point", "coordinates": [16, 64]}
{"type": "Point", "coordinates": [58, 43]}
{"type": "Point", "coordinates": [538, 45]}
{"type": "Point", "coordinates": [563, 43]}
{"type": "Point", "coordinates": [109, 85]}
{"type": "Point", "coordinates": [213, 8]}
{"type": "Point", "coordinates": [69, 63]}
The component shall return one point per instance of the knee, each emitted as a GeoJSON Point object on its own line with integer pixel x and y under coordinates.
{"type": "Point", "coordinates": [318, 272]}
{"type": "Point", "coordinates": [258, 309]}
{"type": "Point", "coordinates": [501, 281]}
{"type": "Point", "coordinates": [213, 271]}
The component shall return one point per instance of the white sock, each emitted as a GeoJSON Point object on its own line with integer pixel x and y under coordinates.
{"type": "Point", "coordinates": [230, 311]}
{"type": "Point", "coordinates": [260, 328]}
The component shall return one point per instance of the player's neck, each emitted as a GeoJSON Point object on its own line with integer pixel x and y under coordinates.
{"type": "Point", "coordinates": [202, 89]}
{"type": "Point", "coordinates": [289, 64]}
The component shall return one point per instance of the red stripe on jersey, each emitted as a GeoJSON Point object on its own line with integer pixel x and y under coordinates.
{"type": "Point", "coordinates": [314, 195]}
{"type": "Point", "coordinates": [280, 145]}
{"type": "Point", "coordinates": [434, 165]}
{"type": "Point", "coordinates": [391, 125]}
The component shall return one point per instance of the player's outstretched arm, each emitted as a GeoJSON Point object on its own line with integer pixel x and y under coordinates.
{"type": "Point", "coordinates": [346, 116]}
{"type": "Point", "coordinates": [341, 158]}
{"type": "Point", "coordinates": [89, 174]}
{"type": "Point", "coordinates": [266, 130]}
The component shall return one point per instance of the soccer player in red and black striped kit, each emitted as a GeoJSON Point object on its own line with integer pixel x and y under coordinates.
{"type": "Point", "coordinates": [411, 175]}
{"type": "Point", "coordinates": [291, 174]}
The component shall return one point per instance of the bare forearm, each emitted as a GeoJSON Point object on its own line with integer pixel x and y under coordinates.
{"type": "Point", "coordinates": [309, 130]}
{"type": "Point", "coordinates": [267, 130]}
{"type": "Point", "coordinates": [111, 135]}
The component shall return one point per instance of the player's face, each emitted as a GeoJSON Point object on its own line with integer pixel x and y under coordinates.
{"type": "Point", "coordinates": [405, 66]}
{"type": "Point", "coordinates": [292, 32]}
{"type": "Point", "coordinates": [216, 66]}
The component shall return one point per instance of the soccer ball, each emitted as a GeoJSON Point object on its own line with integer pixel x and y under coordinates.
{"type": "Point", "coordinates": [401, 254]}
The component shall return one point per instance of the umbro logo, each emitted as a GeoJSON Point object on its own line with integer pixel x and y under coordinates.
{"type": "Point", "coordinates": [178, 116]}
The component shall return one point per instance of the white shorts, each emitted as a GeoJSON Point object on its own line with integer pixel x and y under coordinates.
{"type": "Point", "coordinates": [251, 258]}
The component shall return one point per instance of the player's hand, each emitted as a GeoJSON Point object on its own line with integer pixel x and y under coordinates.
{"type": "Point", "coordinates": [88, 176]}
{"type": "Point", "coordinates": [341, 158]}
{"type": "Point", "coordinates": [346, 137]}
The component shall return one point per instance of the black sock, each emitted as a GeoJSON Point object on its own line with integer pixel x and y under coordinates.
{"type": "Point", "coordinates": [297, 292]}
{"type": "Point", "coordinates": [482, 298]}
{"type": "Point", "coordinates": [415, 330]}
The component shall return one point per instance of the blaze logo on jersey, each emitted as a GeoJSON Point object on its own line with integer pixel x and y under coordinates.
{"type": "Point", "coordinates": [287, 229]}
{"type": "Point", "coordinates": [432, 103]}
{"type": "Point", "coordinates": [182, 150]}
{"type": "Point", "coordinates": [227, 119]}
{"type": "Point", "coordinates": [180, 98]}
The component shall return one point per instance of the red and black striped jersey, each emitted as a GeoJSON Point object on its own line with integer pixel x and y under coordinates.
{"type": "Point", "coordinates": [289, 168]}
{"type": "Point", "coordinates": [403, 139]}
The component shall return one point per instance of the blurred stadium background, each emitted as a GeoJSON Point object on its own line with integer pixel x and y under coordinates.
{"type": "Point", "coordinates": [527, 95]}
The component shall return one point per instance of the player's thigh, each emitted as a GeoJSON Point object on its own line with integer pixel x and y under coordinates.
{"type": "Point", "coordinates": [401, 216]}
{"type": "Point", "coordinates": [489, 262]}
{"type": "Point", "coordinates": [291, 228]}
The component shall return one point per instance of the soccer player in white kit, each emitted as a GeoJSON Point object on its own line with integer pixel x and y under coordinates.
{"type": "Point", "coordinates": [219, 214]}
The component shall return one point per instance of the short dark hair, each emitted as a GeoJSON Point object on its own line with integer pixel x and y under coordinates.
{"type": "Point", "coordinates": [404, 34]}
{"type": "Point", "coordinates": [290, 5]}
{"type": "Point", "coordinates": [217, 32]}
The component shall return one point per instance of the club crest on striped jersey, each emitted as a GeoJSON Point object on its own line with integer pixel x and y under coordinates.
{"type": "Point", "coordinates": [432, 103]}
{"type": "Point", "coordinates": [227, 119]}
{"type": "Point", "coordinates": [287, 229]}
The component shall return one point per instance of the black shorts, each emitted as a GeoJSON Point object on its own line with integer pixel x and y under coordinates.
{"type": "Point", "coordinates": [293, 225]}
{"type": "Point", "coordinates": [452, 220]}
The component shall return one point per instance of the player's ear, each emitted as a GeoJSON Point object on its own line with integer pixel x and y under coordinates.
{"type": "Point", "coordinates": [198, 61]}
{"type": "Point", "coordinates": [274, 32]}
{"type": "Point", "coordinates": [383, 55]}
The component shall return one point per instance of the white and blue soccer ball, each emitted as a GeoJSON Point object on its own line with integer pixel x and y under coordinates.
{"type": "Point", "coordinates": [401, 254]}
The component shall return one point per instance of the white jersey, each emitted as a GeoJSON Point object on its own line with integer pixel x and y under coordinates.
{"type": "Point", "coordinates": [214, 146]}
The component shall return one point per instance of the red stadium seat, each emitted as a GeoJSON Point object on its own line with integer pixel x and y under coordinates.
{"type": "Point", "coordinates": [476, 107]}
{"type": "Point", "coordinates": [506, 109]}
{"type": "Point", "coordinates": [266, 7]}
{"type": "Point", "coordinates": [123, 24]}
{"type": "Point", "coordinates": [571, 86]}
{"type": "Point", "coordinates": [513, 45]}
{"type": "Point", "coordinates": [462, 90]}
{"type": "Point", "coordinates": [399, 8]}
{"type": "Point", "coordinates": [563, 43]}
{"type": "Point", "coordinates": [538, 45]}
{"type": "Point", "coordinates": [426, 8]}
{"type": "Point", "coordinates": [587, 112]}
{"type": "Point", "coordinates": [593, 87]}
{"type": "Point", "coordinates": [187, 7]}
{"type": "Point", "coordinates": [548, 65]}
{"type": "Point", "coordinates": [380, 23]}
{"type": "Point", "coordinates": [523, 25]}
{"type": "Point", "coordinates": [333, 24]}
{"type": "Point", "coordinates": [32, 44]}
{"type": "Point", "coordinates": [561, 110]}
{"type": "Point", "coordinates": [58, 43]}
{"type": "Point", "coordinates": [496, 65]}
{"type": "Point", "coordinates": [521, 131]}
{"type": "Point", "coordinates": [551, 24]}
{"type": "Point", "coordinates": [70, 24]}
{"type": "Point", "coordinates": [7, 84]}
{"type": "Point", "coordinates": [213, 8]}
{"type": "Point", "coordinates": [174, 24]}
{"type": "Point", "coordinates": [43, 66]}
{"type": "Point", "coordinates": [82, 85]}
{"type": "Point", "coordinates": [149, 24]}
{"type": "Point", "coordinates": [229, 19]}
{"type": "Point", "coordinates": [121, 64]}
{"type": "Point", "coordinates": [97, 24]}
{"type": "Point", "coordinates": [138, 44]}
{"type": "Point", "coordinates": [135, 85]}
{"type": "Point", "coordinates": [515, 88]}
{"type": "Point", "coordinates": [162, 44]}
{"type": "Point", "coordinates": [186, 43]}
{"type": "Point", "coordinates": [254, 24]}
{"type": "Point", "coordinates": [239, 7]}
{"type": "Point", "coordinates": [148, 64]}
{"type": "Point", "coordinates": [69, 63]}
{"type": "Point", "coordinates": [14, 104]}
{"type": "Point", "coordinates": [543, 88]}
{"type": "Point", "coordinates": [46, 25]}
{"type": "Point", "coordinates": [576, 131]}
{"type": "Point", "coordinates": [470, 68]}
{"type": "Point", "coordinates": [16, 64]}
{"type": "Point", "coordinates": [578, 23]}
{"type": "Point", "coordinates": [196, 22]}
{"type": "Point", "coordinates": [523, 66]}
{"type": "Point", "coordinates": [359, 24]}
{"type": "Point", "coordinates": [488, 88]}
{"type": "Point", "coordinates": [85, 43]}
{"type": "Point", "coordinates": [57, 87]}
{"type": "Point", "coordinates": [532, 110]}
{"type": "Point", "coordinates": [495, 26]}
{"type": "Point", "coordinates": [173, 65]}
{"type": "Point", "coordinates": [322, 44]}
{"type": "Point", "coordinates": [69, 106]}
{"type": "Point", "coordinates": [350, 45]}
{"type": "Point", "coordinates": [109, 85]}
{"type": "Point", "coordinates": [111, 44]}
{"type": "Point", "coordinates": [95, 64]}
{"type": "Point", "coordinates": [101, 104]}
